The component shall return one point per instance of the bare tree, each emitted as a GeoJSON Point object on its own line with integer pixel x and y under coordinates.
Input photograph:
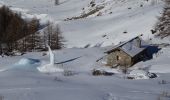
{"type": "Point", "coordinates": [33, 27]}
{"type": "Point", "coordinates": [53, 36]}
{"type": "Point", "coordinates": [57, 38]}
{"type": "Point", "coordinates": [13, 28]}
{"type": "Point", "coordinates": [48, 31]}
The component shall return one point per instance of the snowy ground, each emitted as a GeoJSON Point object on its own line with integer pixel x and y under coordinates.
{"type": "Point", "coordinates": [21, 80]}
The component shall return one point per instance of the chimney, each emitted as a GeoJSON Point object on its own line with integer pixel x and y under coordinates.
{"type": "Point", "coordinates": [138, 42]}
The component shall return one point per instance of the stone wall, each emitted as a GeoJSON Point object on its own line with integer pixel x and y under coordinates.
{"type": "Point", "coordinates": [119, 57]}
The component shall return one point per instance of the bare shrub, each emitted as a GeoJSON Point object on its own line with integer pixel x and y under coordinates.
{"type": "Point", "coordinates": [164, 96]}
{"type": "Point", "coordinates": [69, 73]}
{"type": "Point", "coordinates": [96, 72]}
{"type": "Point", "coordinates": [162, 82]}
{"type": "Point", "coordinates": [57, 79]}
{"type": "Point", "coordinates": [100, 72]}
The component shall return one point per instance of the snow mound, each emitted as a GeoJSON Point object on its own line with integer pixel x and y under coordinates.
{"type": "Point", "coordinates": [49, 68]}
{"type": "Point", "coordinates": [27, 61]}
{"type": "Point", "coordinates": [27, 64]}
{"type": "Point", "coordinates": [141, 74]}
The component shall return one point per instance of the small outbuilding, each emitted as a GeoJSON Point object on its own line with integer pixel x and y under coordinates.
{"type": "Point", "coordinates": [127, 53]}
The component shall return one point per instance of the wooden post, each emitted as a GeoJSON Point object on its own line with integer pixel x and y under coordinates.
{"type": "Point", "coordinates": [56, 2]}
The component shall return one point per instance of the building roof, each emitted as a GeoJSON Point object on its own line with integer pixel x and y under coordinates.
{"type": "Point", "coordinates": [130, 47]}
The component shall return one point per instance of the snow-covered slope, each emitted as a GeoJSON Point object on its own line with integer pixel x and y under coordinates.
{"type": "Point", "coordinates": [116, 17]}
{"type": "Point", "coordinates": [118, 20]}
{"type": "Point", "coordinates": [22, 81]}
{"type": "Point", "coordinates": [134, 21]}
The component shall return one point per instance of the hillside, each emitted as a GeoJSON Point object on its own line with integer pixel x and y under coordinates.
{"type": "Point", "coordinates": [118, 20]}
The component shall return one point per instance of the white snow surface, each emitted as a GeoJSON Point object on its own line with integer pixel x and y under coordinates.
{"type": "Point", "coordinates": [20, 79]}
{"type": "Point", "coordinates": [18, 84]}
{"type": "Point", "coordinates": [49, 68]}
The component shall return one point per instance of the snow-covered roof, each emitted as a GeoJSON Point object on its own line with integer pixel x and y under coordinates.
{"type": "Point", "coordinates": [130, 47]}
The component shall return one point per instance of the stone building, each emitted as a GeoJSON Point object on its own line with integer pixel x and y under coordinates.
{"type": "Point", "coordinates": [127, 53]}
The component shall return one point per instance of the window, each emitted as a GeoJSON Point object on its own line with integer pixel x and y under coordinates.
{"type": "Point", "coordinates": [118, 57]}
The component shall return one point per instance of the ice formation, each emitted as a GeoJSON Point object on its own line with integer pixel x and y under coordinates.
{"type": "Point", "coordinates": [51, 67]}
